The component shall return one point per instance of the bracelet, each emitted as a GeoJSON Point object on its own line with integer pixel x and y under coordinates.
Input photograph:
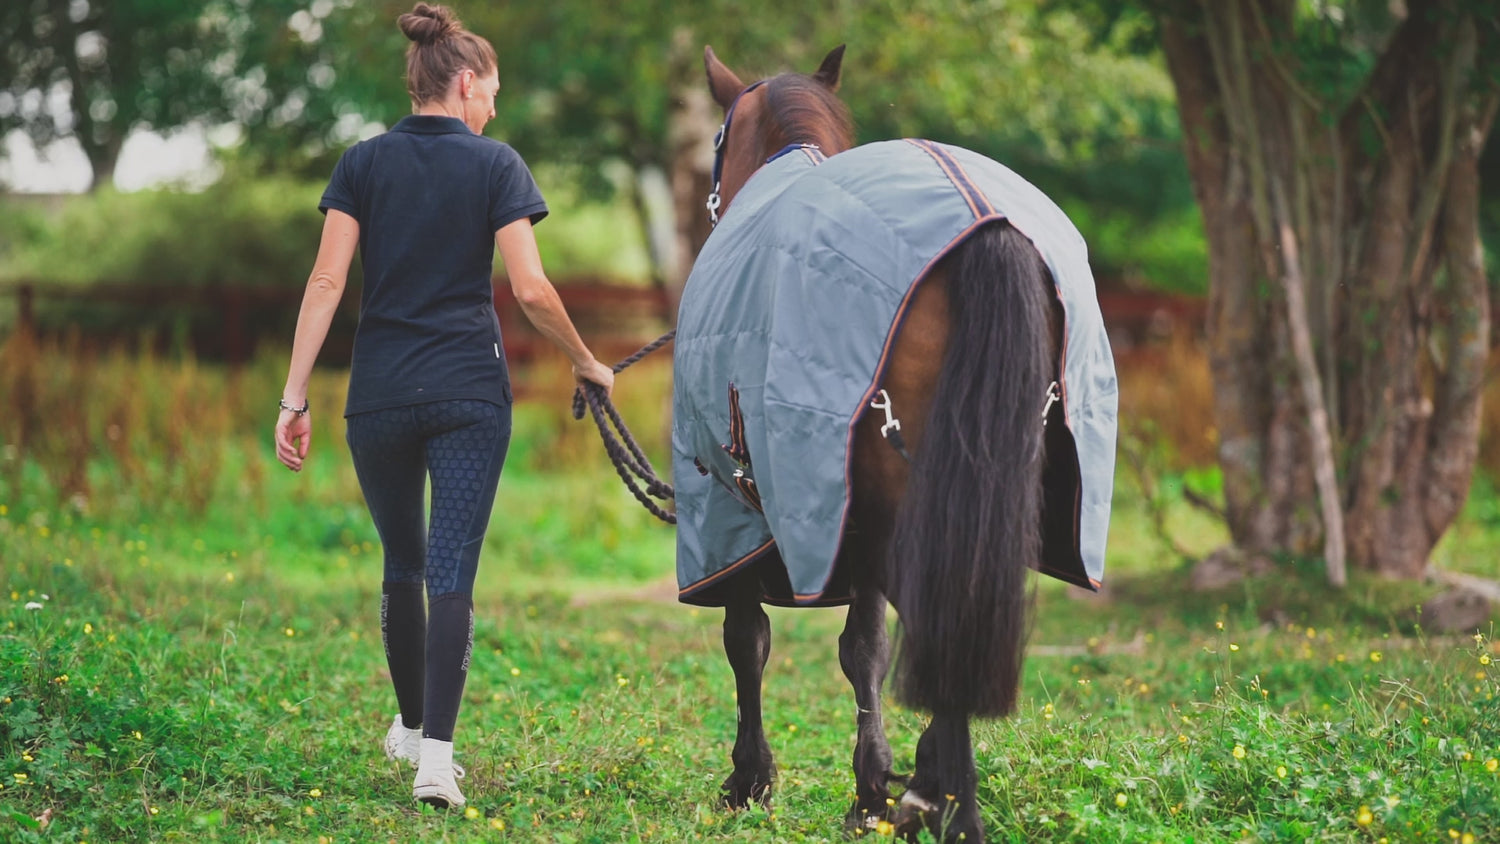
{"type": "Point", "coordinates": [297, 410]}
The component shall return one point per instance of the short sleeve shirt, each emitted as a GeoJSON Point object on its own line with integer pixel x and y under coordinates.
{"type": "Point", "coordinates": [429, 196]}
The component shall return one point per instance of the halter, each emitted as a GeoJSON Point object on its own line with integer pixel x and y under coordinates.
{"type": "Point", "coordinates": [720, 139]}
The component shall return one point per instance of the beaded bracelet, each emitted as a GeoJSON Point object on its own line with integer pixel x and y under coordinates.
{"type": "Point", "coordinates": [297, 410]}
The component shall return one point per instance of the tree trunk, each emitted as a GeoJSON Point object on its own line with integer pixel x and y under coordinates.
{"type": "Point", "coordinates": [691, 133]}
{"type": "Point", "coordinates": [1378, 217]}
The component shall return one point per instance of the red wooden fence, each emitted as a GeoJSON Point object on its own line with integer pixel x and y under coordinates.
{"type": "Point", "coordinates": [227, 322]}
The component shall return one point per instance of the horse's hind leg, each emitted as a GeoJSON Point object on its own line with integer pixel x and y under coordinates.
{"type": "Point", "coordinates": [864, 653]}
{"type": "Point", "coordinates": [747, 643]}
{"type": "Point", "coordinates": [941, 793]}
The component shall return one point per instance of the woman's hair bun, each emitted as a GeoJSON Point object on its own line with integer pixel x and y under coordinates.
{"type": "Point", "coordinates": [427, 23]}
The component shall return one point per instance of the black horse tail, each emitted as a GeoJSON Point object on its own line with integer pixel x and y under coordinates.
{"type": "Point", "coordinates": [969, 524]}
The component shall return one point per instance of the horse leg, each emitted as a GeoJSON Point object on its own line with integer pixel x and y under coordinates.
{"type": "Point", "coordinates": [864, 653]}
{"type": "Point", "coordinates": [941, 793]}
{"type": "Point", "coordinates": [747, 643]}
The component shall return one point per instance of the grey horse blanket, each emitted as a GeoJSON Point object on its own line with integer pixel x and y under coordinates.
{"type": "Point", "coordinates": [781, 333]}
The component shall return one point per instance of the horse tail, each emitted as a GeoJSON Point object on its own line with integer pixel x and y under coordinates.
{"type": "Point", "coordinates": [969, 523]}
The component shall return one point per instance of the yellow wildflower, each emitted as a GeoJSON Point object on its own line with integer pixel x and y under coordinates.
{"type": "Point", "coordinates": [1239, 751]}
{"type": "Point", "coordinates": [1121, 800]}
{"type": "Point", "coordinates": [1365, 816]}
{"type": "Point", "coordinates": [471, 813]}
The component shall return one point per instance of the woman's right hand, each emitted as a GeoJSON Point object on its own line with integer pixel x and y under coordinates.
{"type": "Point", "coordinates": [293, 438]}
{"type": "Point", "coordinates": [596, 373]}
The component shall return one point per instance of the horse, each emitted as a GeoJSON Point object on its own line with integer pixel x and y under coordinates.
{"type": "Point", "coordinates": [944, 520]}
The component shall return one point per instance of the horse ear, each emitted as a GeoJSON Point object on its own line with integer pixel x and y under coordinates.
{"type": "Point", "coordinates": [722, 81]}
{"type": "Point", "coordinates": [828, 72]}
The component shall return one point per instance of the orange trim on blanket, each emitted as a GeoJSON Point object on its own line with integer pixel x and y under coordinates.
{"type": "Point", "coordinates": [726, 571]}
{"type": "Point", "coordinates": [960, 180]}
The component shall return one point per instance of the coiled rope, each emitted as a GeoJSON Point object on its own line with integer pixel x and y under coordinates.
{"type": "Point", "coordinates": [624, 452]}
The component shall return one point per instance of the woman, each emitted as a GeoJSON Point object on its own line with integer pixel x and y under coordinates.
{"type": "Point", "coordinates": [429, 393]}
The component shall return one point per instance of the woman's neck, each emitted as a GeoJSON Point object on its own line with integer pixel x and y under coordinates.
{"type": "Point", "coordinates": [440, 108]}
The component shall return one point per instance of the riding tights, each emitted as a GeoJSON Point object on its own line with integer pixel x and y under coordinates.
{"type": "Point", "coordinates": [461, 445]}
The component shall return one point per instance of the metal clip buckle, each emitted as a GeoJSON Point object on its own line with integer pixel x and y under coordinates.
{"type": "Point", "coordinates": [718, 137]}
{"type": "Point", "coordinates": [882, 401]}
{"type": "Point", "coordinates": [713, 205]}
{"type": "Point", "coordinates": [1054, 395]}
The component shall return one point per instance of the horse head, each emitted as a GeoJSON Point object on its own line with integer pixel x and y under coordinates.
{"type": "Point", "coordinates": [764, 117]}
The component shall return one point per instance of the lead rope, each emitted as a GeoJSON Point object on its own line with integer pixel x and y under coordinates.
{"type": "Point", "coordinates": [626, 455]}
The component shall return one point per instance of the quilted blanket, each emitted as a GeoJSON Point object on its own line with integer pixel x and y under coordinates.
{"type": "Point", "coordinates": [780, 340]}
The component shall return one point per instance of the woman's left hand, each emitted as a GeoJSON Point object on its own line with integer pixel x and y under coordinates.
{"type": "Point", "coordinates": [293, 436]}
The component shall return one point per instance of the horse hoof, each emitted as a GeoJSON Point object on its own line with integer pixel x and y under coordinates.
{"type": "Point", "coordinates": [862, 819]}
{"type": "Point", "coordinates": [915, 813]}
{"type": "Point", "coordinates": [735, 796]}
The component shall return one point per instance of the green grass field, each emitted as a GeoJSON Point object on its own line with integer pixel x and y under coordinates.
{"type": "Point", "coordinates": [212, 670]}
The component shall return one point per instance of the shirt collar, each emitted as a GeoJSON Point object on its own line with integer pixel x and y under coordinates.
{"type": "Point", "coordinates": [431, 124]}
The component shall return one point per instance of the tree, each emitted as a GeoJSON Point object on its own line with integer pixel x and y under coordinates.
{"type": "Point", "coordinates": [1334, 150]}
{"type": "Point", "coordinates": [115, 66]}
{"type": "Point", "coordinates": [628, 87]}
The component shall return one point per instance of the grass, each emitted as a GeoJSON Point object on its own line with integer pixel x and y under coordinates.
{"type": "Point", "coordinates": [210, 668]}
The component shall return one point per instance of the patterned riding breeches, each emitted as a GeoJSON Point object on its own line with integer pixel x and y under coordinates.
{"type": "Point", "coordinates": [461, 445]}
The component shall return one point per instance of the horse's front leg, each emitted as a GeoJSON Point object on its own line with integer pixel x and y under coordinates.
{"type": "Point", "coordinates": [747, 643]}
{"type": "Point", "coordinates": [941, 793]}
{"type": "Point", "coordinates": [864, 653]}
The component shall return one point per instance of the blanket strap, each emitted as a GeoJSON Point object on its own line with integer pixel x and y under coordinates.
{"type": "Point", "coordinates": [891, 430]}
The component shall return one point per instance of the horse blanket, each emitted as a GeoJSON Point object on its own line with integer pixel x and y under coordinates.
{"type": "Point", "coordinates": [781, 337]}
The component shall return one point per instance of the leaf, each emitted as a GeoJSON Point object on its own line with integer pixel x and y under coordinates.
{"type": "Point", "coordinates": [24, 819]}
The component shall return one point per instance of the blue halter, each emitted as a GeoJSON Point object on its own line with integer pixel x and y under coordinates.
{"type": "Point", "coordinates": [714, 199]}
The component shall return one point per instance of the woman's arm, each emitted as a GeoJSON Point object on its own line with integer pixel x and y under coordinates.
{"type": "Point", "coordinates": [539, 301]}
{"type": "Point", "coordinates": [325, 287]}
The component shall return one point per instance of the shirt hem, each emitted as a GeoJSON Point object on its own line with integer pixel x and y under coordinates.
{"type": "Point", "coordinates": [353, 409]}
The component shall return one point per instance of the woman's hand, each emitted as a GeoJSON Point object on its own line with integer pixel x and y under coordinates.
{"type": "Point", "coordinates": [596, 373]}
{"type": "Point", "coordinates": [293, 436]}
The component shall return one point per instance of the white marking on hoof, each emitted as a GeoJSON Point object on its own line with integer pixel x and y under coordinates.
{"type": "Point", "coordinates": [909, 799]}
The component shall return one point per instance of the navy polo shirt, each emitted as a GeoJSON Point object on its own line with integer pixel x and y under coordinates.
{"type": "Point", "coordinates": [429, 196]}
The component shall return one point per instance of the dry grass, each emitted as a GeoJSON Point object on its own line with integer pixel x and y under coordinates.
{"type": "Point", "coordinates": [1166, 397]}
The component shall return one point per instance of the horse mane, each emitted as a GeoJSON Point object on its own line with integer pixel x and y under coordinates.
{"type": "Point", "coordinates": [803, 110]}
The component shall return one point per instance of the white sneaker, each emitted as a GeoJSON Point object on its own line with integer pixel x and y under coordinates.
{"type": "Point", "coordinates": [403, 743]}
{"type": "Point", "coordinates": [437, 776]}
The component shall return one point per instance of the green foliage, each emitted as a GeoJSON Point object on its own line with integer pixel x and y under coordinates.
{"type": "Point", "coordinates": [259, 231]}
{"type": "Point", "coordinates": [240, 231]}
{"type": "Point", "coordinates": [222, 681]}
{"type": "Point", "coordinates": [138, 65]}
{"type": "Point", "coordinates": [212, 670]}
{"type": "Point", "coordinates": [1166, 253]}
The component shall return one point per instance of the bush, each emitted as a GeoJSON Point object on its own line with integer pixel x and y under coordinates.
{"type": "Point", "coordinates": [241, 231]}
